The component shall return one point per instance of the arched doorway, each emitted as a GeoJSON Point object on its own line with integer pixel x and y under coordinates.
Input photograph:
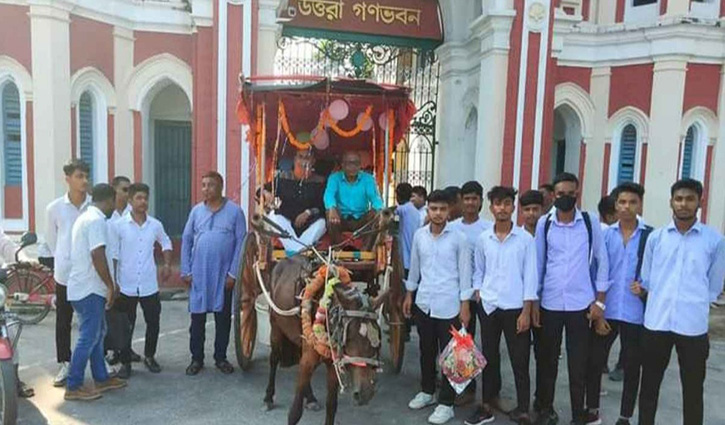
{"type": "Point", "coordinates": [167, 154]}
{"type": "Point", "coordinates": [566, 146]}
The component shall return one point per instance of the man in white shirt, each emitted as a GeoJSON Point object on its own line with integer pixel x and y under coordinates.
{"type": "Point", "coordinates": [61, 214]}
{"type": "Point", "coordinates": [682, 272]}
{"type": "Point", "coordinates": [505, 283]}
{"type": "Point", "coordinates": [135, 235]}
{"type": "Point", "coordinates": [91, 291]}
{"type": "Point", "coordinates": [440, 272]}
{"type": "Point", "coordinates": [472, 225]}
{"type": "Point", "coordinates": [121, 185]}
{"type": "Point", "coordinates": [419, 197]}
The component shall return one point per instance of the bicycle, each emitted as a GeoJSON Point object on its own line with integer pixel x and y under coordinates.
{"type": "Point", "coordinates": [31, 288]}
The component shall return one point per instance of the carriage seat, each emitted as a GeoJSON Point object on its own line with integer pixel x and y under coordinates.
{"type": "Point", "coordinates": [352, 253]}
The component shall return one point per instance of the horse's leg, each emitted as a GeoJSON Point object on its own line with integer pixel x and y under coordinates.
{"type": "Point", "coordinates": [273, 363]}
{"type": "Point", "coordinates": [308, 363]}
{"type": "Point", "coordinates": [311, 402]}
{"type": "Point", "coordinates": [332, 390]}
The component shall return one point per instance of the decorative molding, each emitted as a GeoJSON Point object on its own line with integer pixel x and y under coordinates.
{"type": "Point", "coordinates": [538, 16]}
{"type": "Point", "coordinates": [158, 69]}
{"type": "Point", "coordinates": [90, 77]}
{"type": "Point", "coordinates": [576, 98]}
{"type": "Point", "coordinates": [20, 76]}
{"type": "Point", "coordinates": [629, 115]}
{"type": "Point", "coordinates": [704, 118]}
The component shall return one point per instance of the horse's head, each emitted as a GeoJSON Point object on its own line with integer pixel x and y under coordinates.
{"type": "Point", "coordinates": [355, 327]}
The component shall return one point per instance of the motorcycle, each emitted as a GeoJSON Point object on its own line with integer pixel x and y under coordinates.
{"type": "Point", "coordinates": [10, 329]}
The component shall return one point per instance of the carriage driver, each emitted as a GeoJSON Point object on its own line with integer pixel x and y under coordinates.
{"type": "Point", "coordinates": [351, 198]}
{"type": "Point", "coordinates": [301, 208]}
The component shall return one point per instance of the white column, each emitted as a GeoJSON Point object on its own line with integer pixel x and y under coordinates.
{"type": "Point", "coordinates": [221, 88]}
{"type": "Point", "coordinates": [594, 166]}
{"type": "Point", "coordinates": [49, 29]}
{"type": "Point", "coordinates": [668, 90]}
{"type": "Point", "coordinates": [267, 36]}
{"type": "Point", "coordinates": [716, 214]}
{"type": "Point", "coordinates": [123, 42]}
{"type": "Point", "coordinates": [606, 11]}
{"type": "Point", "coordinates": [494, 34]}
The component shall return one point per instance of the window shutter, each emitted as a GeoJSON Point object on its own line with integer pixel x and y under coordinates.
{"type": "Point", "coordinates": [12, 147]}
{"type": "Point", "coordinates": [687, 153]}
{"type": "Point", "coordinates": [627, 154]}
{"type": "Point", "coordinates": [85, 118]}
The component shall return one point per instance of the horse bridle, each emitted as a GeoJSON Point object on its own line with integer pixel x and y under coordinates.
{"type": "Point", "coordinates": [345, 317]}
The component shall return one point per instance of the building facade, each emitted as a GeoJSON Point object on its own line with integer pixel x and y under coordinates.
{"type": "Point", "coordinates": [611, 90]}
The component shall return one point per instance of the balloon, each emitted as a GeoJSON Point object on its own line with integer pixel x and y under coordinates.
{"type": "Point", "coordinates": [338, 109]}
{"type": "Point", "coordinates": [303, 137]}
{"type": "Point", "coordinates": [367, 125]}
{"type": "Point", "coordinates": [383, 120]}
{"type": "Point", "coordinates": [329, 118]}
{"type": "Point", "coordinates": [320, 139]}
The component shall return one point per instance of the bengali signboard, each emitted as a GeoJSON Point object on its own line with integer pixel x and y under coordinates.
{"type": "Point", "coordinates": [399, 22]}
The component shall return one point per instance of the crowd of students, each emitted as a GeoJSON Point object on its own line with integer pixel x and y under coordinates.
{"type": "Point", "coordinates": [561, 270]}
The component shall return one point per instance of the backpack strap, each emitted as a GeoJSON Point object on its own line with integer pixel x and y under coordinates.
{"type": "Point", "coordinates": [547, 227]}
{"type": "Point", "coordinates": [640, 251]}
{"type": "Point", "coordinates": [588, 224]}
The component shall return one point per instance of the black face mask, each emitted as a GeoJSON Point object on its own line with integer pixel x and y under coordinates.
{"type": "Point", "coordinates": [565, 203]}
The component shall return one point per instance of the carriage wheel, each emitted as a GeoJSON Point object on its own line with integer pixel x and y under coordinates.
{"type": "Point", "coordinates": [394, 307]}
{"type": "Point", "coordinates": [245, 294]}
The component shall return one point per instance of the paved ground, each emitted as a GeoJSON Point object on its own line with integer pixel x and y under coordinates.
{"type": "Point", "coordinates": [213, 398]}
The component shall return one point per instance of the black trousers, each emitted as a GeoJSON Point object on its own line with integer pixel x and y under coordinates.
{"type": "Point", "coordinates": [151, 307]}
{"type": "Point", "coordinates": [434, 335]}
{"type": "Point", "coordinates": [492, 326]}
{"type": "Point", "coordinates": [63, 321]}
{"type": "Point", "coordinates": [577, 349]}
{"type": "Point", "coordinates": [692, 353]}
{"type": "Point", "coordinates": [631, 340]}
{"type": "Point", "coordinates": [223, 324]}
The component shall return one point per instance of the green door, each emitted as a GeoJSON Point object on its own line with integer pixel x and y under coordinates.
{"type": "Point", "coordinates": [172, 174]}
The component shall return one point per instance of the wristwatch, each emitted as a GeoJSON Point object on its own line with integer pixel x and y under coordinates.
{"type": "Point", "coordinates": [600, 305]}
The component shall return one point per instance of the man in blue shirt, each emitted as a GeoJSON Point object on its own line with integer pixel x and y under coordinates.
{"type": "Point", "coordinates": [682, 272]}
{"type": "Point", "coordinates": [409, 221]}
{"type": "Point", "coordinates": [567, 242]}
{"type": "Point", "coordinates": [351, 198]}
{"type": "Point", "coordinates": [624, 312]}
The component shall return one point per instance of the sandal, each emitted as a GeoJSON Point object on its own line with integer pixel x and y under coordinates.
{"type": "Point", "coordinates": [194, 368]}
{"type": "Point", "coordinates": [25, 391]}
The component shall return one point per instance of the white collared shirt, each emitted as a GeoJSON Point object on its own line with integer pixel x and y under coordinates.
{"type": "Point", "coordinates": [7, 248]}
{"type": "Point", "coordinates": [61, 214]}
{"type": "Point", "coordinates": [440, 270]}
{"type": "Point", "coordinates": [89, 233]}
{"type": "Point", "coordinates": [505, 272]}
{"type": "Point", "coordinates": [683, 274]}
{"type": "Point", "coordinates": [134, 250]}
{"type": "Point", "coordinates": [115, 217]}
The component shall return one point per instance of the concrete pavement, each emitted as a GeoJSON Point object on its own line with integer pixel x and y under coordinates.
{"type": "Point", "coordinates": [214, 398]}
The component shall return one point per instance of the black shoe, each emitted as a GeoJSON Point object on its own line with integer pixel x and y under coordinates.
{"type": "Point", "coordinates": [224, 366]}
{"type": "Point", "coordinates": [483, 415]}
{"type": "Point", "coordinates": [194, 368]}
{"type": "Point", "coordinates": [520, 416]}
{"type": "Point", "coordinates": [113, 358]}
{"type": "Point", "coordinates": [547, 417]}
{"type": "Point", "coordinates": [135, 358]}
{"type": "Point", "coordinates": [151, 365]}
{"type": "Point", "coordinates": [125, 371]}
{"type": "Point", "coordinates": [617, 375]}
{"type": "Point", "coordinates": [25, 391]}
{"type": "Point", "coordinates": [622, 421]}
{"type": "Point", "coordinates": [592, 418]}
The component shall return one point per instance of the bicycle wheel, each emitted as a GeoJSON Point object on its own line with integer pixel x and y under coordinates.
{"type": "Point", "coordinates": [29, 294]}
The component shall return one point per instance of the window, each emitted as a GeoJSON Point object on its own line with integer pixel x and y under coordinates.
{"type": "Point", "coordinates": [627, 154]}
{"type": "Point", "coordinates": [688, 153]}
{"type": "Point", "coordinates": [12, 147]}
{"type": "Point", "coordinates": [86, 131]}
{"type": "Point", "coordinates": [636, 3]}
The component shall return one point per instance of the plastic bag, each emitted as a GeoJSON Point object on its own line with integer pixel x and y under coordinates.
{"type": "Point", "coordinates": [461, 361]}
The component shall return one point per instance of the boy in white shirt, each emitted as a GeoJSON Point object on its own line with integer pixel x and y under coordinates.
{"type": "Point", "coordinates": [135, 235]}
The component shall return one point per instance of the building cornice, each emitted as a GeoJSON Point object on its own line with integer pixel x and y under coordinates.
{"type": "Point", "coordinates": [591, 45]}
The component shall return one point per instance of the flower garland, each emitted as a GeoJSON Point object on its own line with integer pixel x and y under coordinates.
{"type": "Point", "coordinates": [325, 120]}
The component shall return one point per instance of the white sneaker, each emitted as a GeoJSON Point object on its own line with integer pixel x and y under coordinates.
{"type": "Point", "coordinates": [421, 400]}
{"type": "Point", "coordinates": [112, 370]}
{"type": "Point", "coordinates": [441, 415]}
{"type": "Point", "coordinates": [62, 375]}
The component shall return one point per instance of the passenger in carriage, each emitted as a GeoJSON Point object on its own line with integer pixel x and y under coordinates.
{"type": "Point", "coordinates": [301, 210]}
{"type": "Point", "coordinates": [351, 199]}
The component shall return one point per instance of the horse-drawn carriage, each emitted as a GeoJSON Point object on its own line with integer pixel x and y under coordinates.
{"type": "Point", "coordinates": [333, 117]}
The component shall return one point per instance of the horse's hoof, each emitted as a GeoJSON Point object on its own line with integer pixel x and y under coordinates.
{"type": "Point", "coordinates": [313, 406]}
{"type": "Point", "coordinates": [268, 405]}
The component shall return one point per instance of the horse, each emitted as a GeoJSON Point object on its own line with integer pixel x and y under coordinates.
{"type": "Point", "coordinates": [353, 321]}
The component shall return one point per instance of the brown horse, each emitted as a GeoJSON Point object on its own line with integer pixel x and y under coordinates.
{"type": "Point", "coordinates": [352, 321]}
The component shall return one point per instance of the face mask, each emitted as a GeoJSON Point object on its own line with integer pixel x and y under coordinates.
{"type": "Point", "coordinates": [565, 203]}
